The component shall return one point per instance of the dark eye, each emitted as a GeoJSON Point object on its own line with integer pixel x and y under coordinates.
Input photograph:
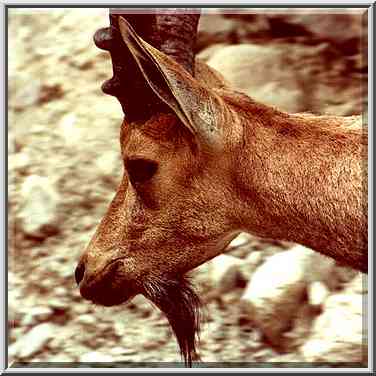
{"type": "Point", "coordinates": [140, 170]}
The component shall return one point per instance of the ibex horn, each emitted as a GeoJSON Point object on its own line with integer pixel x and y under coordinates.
{"type": "Point", "coordinates": [172, 31]}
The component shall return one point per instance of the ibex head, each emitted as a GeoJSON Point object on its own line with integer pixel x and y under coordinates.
{"type": "Point", "coordinates": [175, 163]}
{"type": "Point", "coordinates": [202, 163]}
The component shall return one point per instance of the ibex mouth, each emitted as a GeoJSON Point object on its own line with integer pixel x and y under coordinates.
{"type": "Point", "coordinates": [109, 287]}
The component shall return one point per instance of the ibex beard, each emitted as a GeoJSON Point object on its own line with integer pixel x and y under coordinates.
{"type": "Point", "coordinates": [176, 298]}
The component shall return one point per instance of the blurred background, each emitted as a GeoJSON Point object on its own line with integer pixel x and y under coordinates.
{"type": "Point", "coordinates": [266, 302]}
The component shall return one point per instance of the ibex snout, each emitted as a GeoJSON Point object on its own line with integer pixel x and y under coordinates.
{"type": "Point", "coordinates": [79, 272]}
{"type": "Point", "coordinates": [105, 281]}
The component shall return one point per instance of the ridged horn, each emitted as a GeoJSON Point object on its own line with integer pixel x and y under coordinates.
{"type": "Point", "coordinates": [172, 31]}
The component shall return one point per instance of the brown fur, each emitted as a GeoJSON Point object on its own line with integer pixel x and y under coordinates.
{"type": "Point", "coordinates": [307, 182]}
{"type": "Point", "coordinates": [295, 177]}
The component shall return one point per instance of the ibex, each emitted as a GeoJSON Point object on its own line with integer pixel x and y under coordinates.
{"type": "Point", "coordinates": [202, 163]}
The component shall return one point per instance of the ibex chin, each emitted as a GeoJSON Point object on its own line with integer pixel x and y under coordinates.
{"type": "Point", "coordinates": [202, 163]}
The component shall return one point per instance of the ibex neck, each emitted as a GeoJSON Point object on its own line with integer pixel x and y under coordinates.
{"type": "Point", "coordinates": [304, 179]}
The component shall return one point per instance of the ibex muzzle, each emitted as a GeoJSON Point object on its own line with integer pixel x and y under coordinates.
{"type": "Point", "coordinates": [207, 164]}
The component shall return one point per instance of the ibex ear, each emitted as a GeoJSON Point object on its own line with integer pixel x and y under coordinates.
{"type": "Point", "coordinates": [193, 103]}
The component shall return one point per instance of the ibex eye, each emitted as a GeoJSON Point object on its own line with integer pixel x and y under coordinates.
{"type": "Point", "coordinates": [140, 170]}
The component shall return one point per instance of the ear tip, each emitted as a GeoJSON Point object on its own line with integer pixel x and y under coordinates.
{"type": "Point", "coordinates": [123, 22]}
{"type": "Point", "coordinates": [124, 26]}
{"type": "Point", "coordinates": [126, 30]}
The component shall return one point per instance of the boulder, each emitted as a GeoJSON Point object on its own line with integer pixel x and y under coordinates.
{"type": "Point", "coordinates": [358, 285]}
{"type": "Point", "coordinates": [278, 287]}
{"type": "Point", "coordinates": [217, 26]}
{"type": "Point", "coordinates": [249, 265]}
{"type": "Point", "coordinates": [39, 201]}
{"type": "Point", "coordinates": [256, 71]}
{"type": "Point", "coordinates": [87, 319]}
{"type": "Point", "coordinates": [33, 341]}
{"type": "Point", "coordinates": [108, 164]}
{"type": "Point", "coordinates": [23, 92]}
{"type": "Point", "coordinates": [223, 272]}
{"type": "Point", "coordinates": [36, 315]}
{"type": "Point", "coordinates": [19, 162]}
{"type": "Point", "coordinates": [95, 356]}
{"type": "Point", "coordinates": [214, 28]}
{"type": "Point", "coordinates": [339, 334]}
{"type": "Point", "coordinates": [273, 74]}
{"type": "Point", "coordinates": [240, 240]}
{"type": "Point", "coordinates": [343, 29]}
{"type": "Point", "coordinates": [70, 130]}
{"type": "Point", "coordinates": [210, 51]}
{"type": "Point", "coordinates": [317, 293]}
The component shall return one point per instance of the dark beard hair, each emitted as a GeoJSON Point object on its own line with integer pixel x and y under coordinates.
{"type": "Point", "coordinates": [176, 298]}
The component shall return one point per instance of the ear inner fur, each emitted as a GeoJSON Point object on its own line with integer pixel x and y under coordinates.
{"type": "Point", "coordinates": [138, 51]}
{"type": "Point", "coordinates": [198, 115]}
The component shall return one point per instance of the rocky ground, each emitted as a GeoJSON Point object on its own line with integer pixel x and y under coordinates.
{"type": "Point", "coordinates": [64, 166]}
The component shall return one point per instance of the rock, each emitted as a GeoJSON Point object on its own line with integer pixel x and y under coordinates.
{"type": "Point", "coordinates": [214, 28]}
{"type": "Point", "coordinates": [107, 164]}
{"type": "Point", "coordinates": [14, 301]}
{"type": "Point", "coordinates": [24, 92]}
{"type": "Point", "coordinates": [81, 309]}
{"type": "Point", "coordinates": [34, 340]}
{"type": "Point", "coordinates": [320, 268]}
{"type": "Point", "coordinates": [11, 143]}
{"type": "Point", "coordinates": [255, 70]}
{"type": "Point", "coordinates": [223, 272]}
{"type": "Point", "coordinates": [58, 304]}
{"type": "Point", "coordinates": [339, 333]}
{"type": "Point", "coordinates": [50, 92]}
{"type": "Point", "coordinates": [61, 291]}
{"type": "Point", "coordinates": [68, 128]}
{"type": "Point", "coordinates": [277, 288]}
{"type": "Point", "coordinates": [39, 201]}
{"type": "Point", "coordinates": [242, 239]}
{"type": "Point", "coordinates": [300, 328]}
{"type": "Point", "coordinates": [317, 293]}
{"type": "Point", "coordinates": [120, 328]}
{"type": "Point", "coordinates": [208, 52]}
{"type": "Point", "coordinates": [227, 28]}
{"type": "Point", "coordinates": [263, 355]}
{"type": "Point", "coordinates": [87, 319]}
{"type": "Point", "coordinates": [19, 162]}
{"type": "Point", "coordinates": [60, 358]}
{"type": "Point", "coordinates": [122, 351]}
{"type": "Point", "coordinates": [13, 350]}
{"type": "Point", "coordinates": [338, 28]}
{"type": "Point", "coordinates": [142, 306]}
{"type": "Point", "coordinates": [241, 246]}
{"type": "Point", "coordinates": [254, 258]}
{"type": "Point", "coordinates": [66, 271]}
{"type": "Point", "coordinates": [344, 276]}
{"type": "Point", "coordinates": [36, 314]}
{"type": "Point", "coordinates": [95, 356]}
{"type": "Point", "coordinates": [358, 285]}
{"type": "Point", "coordinates": [273, 293]}
{"type": "Point", "coordinates": [249, 265]}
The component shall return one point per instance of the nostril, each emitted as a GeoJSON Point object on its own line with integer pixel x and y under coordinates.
{"type": "Point", "coordinates": [79, 273]}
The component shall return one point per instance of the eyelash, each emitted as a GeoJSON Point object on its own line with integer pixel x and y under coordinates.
{"type": "Point", "coordinates": [140, 170]}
